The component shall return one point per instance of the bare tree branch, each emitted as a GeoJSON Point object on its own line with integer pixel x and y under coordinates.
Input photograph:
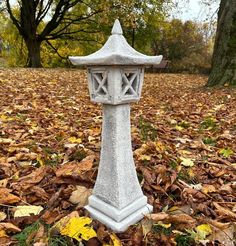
{"type": "Point", "coordinates": [73, 21]}
{"type": "Point", "coordinates": [62, 7]}
{"type": "Point", "coordinates": [13, 18]}
{"type": "Point", "coordinates": [56, 50]}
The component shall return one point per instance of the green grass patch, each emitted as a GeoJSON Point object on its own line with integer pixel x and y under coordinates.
{"type": "Point", "coordinates": [184, 124]}
{"type": "Point", "coordinates": [208, 124]}
{"type": "Point", "coordinates": [147, 130]}
{"type": "Point", "coordinates": [209, 141]}
{"type": "Point", "coordinates": [184, 240]}
{"type": "Point", "coordinates": [162, 230]}
{"type": "Point", "coordinates": [78, 155]}
{"type": "Point", "coordinates": [24, 235]}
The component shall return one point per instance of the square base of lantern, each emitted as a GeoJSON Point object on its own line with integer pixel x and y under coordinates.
{"type": "Point", "coordinates": [118, 219]}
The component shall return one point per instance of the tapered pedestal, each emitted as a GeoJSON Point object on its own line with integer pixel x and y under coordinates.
{"type": "Point", "coordinates": [117, 199]}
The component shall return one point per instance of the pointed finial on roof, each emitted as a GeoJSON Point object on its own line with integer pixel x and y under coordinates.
{"type": "Point", "coordinates": [117, 29]}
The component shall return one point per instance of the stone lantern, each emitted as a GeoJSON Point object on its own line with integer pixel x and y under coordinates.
{"type": "Point", "coordinates": [115, 74]}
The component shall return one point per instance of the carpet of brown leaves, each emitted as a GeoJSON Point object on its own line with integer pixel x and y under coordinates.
{"type": "Point", "coordinates": [184, 142]}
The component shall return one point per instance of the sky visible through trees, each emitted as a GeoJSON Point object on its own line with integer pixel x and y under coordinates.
{"type": "Point", "coordinates": [193, 10]}
{"type": "Point", "coordinates": [196, 10]}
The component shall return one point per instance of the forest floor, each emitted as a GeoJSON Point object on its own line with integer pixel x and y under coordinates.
{"type": "Point", "coordinates": [184, 143]}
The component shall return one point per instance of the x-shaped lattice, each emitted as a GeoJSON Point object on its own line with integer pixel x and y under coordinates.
{"type": "Point", "coordinates": [101, 83]}
{"type": "Point", "coordinates": [129, 83]}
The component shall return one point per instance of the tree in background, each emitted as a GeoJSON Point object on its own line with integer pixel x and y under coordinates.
{"type": "Point", "coordinates": [185, 44]}
{"type": "Point", "coordinates": [29, 20]}
{"type": "Point", "coordinates": [224, 55]}
{"type": "Point", "coordinates": [44, 21]}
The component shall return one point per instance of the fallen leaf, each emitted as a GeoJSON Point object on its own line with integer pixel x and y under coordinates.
{"type": "Point", "coordinates": [40, 244]}
{"type": "Point", "coordinates": [179, 128]}
{"type": "Point", "coordinates": [22, 211]}
{"type": "Point", "coordinates": [2, 216]}
{"type": "Point", "coordinates": [186, 162]}
{"type": "Point", "coordinates": [203, 231]}
{"type": "Point", "coordinates": [35, 176]}
{"type": "Point", "coordinates": [224, 211]}
{"type": "Point", "coordinates": [80, 196]}
{"type": "Point", "coordinates": [3, 183]}
{"type": "Point", "coordinates": [208, 189]}
{"type": "Point", "coordinates": [137, 236]}
{"type": "Point", "coordinates": [70, 145]}
{"type": "Point", "coordinates": [87, 163]}
{"type": "Point", "coordinates": [146, 226]}
{"type": "Point", "coordinates": [7, 198]}
{"type": "Point", "coordinates": [217, 224]}
{"type": "Point", "coordinates": [74, 168]}
{"type": "Point", "coordinates": [141, 150]}
{"type": "Point", "coordinates": [3, 234]}
{"type": "Point", "coordinates": [6, 141]}
{"type": "Point", "coordinates": [75, 140]}
{"type": "Point", "coordinates": [144, 158]}
{"type": "Point", "coordinates": [160, 147]}
{"type": "Point", "coordinates": [77, 228]}
{"type": "Point", "coordinates": [196, 186]}
{"type": "Point", "coordinates": [50, 216]}
{"type": "Point", "coordinates": [226, 189]}
{"type": "Point", "coordinates": [185, 209]}
{"type": "Point", "coordinates": [115, 240]}
{"type": "Point", "coordinates": [9, 227]}
{"type": "Point", "coordinates": [181, 220]}
{"type": "Point", "coordinates": [158, 216]}
{"type": "Point", "coordinates": [227, 152]}
{"type": "Point", "coordinates": [224, 236]}
{"type": "Point", "coordinates": [40, 238]}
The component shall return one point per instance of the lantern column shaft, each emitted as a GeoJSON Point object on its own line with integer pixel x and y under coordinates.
{"type": "Point", "coordinates": [117, 199]}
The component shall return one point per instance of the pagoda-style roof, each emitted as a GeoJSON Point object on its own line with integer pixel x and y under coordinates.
{"type": "Point", "coordinates": [116, 51]}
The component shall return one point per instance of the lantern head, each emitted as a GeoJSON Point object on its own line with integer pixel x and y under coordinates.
{"type": "Point", "coordinates": [116, 71]}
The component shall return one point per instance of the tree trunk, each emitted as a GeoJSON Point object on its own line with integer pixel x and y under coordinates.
{"type": "Point", "coordinates": [224, 56]}
{"type": "Point", "coordinates": [34, 59]}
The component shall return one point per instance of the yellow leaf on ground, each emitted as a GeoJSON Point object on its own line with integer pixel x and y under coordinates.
{"type": "Point", "coordinates": [75, 140]}
{"type": "Point", "coordinates": [186, 162]}
{"type": "Point", "coordinates": [3, 233]}
{"type": "Point", "coordinates": [5, 118]}
{"type": "Point", "coordinates": [22, 211]}
{"type": "Point", "coordinates": [40, 161]}
{"type": "Point", "coordinates": [160, 147]}
{"type": "Point", "coordinates": [144, 158]}
{"type": "Point", "coordinates": [179, 128]}
{"type": "Point", "coordinates": [115, 240]}
{"type": "Point", "coordinates": [203, 231]}
{"type": "Point", "coordinates": [164, 225]}
{"type": "Point", "coordinates": [77, 228]}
